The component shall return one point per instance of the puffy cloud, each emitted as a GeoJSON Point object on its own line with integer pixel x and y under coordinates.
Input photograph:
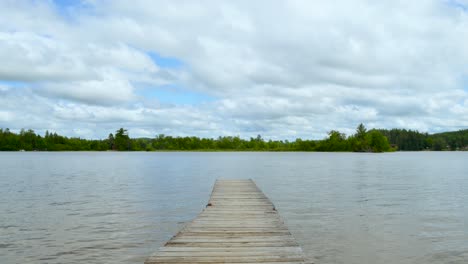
{"type": "Point", "coordinates": [288, 69]}
{"type": "Point", "coordinates": [108, 91]}
{"type": "Point", "coordinates": [27, 56]}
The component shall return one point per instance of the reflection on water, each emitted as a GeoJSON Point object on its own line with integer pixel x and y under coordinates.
{"type": "Point", "coordinates": [341, 207]}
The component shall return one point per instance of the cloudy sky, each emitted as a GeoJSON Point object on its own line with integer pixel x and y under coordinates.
{"type": "Point", "coordinates": [282, 69]}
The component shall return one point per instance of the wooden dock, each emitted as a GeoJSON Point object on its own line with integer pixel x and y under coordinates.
{"type": "Point", "coordinates": [238, 225]}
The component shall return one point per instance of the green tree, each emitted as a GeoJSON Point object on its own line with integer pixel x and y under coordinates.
{"type": "Point", "coordinates": [361, 132]}
{"type": "Point", "coordinates": [439, 144]}
{"type": "Point", "coordinates": [360, 144]}
{"type": "Point", "coordinates": [377, 141]}
{"type": "Point", "coordinates": [111, 141]}
{"type": "Point", "coordinates": [122, 140]}
{"type": "Point", "coordinates": [336, 141]}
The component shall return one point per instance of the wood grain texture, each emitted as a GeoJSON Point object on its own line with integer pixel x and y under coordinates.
{"type": "Point", "coordinates": [238, 225]}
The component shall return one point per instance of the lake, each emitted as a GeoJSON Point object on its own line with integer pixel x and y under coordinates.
{"type": "Point", "coordinates": [117, 207]}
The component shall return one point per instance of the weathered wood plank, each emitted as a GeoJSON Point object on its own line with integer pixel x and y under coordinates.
{"type": "Point", "coordinates": [238, 225]}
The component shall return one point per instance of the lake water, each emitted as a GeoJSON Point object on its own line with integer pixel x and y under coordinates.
{"type": "Point", "coordinates": [107, 207]}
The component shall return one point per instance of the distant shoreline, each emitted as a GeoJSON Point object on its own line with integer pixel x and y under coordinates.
{"type": "Point", "coordinates": [373, 140]}
{"type": "Point", "coordinates": [233, 150]}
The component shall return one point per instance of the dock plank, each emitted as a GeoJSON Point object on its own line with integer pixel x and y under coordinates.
{"type": "Point", "coordinates": [239, 225]}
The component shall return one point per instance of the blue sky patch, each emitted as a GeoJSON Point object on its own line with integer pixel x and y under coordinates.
{"type": "Point", "coordinates": [465, 82]}
{"type": "Point", "coordinates": [15, 84]}
{"type": "Point", "coordinates": [67, 4]}
{"type": "Point", "coordinates": [68, 8]}
{"type": "Point", "coordinates": [165, 62]}
{"type": "Point", "coordinates": [458, 5]}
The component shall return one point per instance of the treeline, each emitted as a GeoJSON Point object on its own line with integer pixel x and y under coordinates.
{"type": "Point", "coordinates": [28, 140]}
{"type": "Point", "coordinates": [411, 140]}
{"type": "Point", "coordinates": [362, 141]}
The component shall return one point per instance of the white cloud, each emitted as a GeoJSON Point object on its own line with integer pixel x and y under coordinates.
{"type": "Point", "coordinates": [109, 91]}
{"type": "Point", "coordinates": [27, 56]}
{"type": "Point", "coordinates": [283, 69]}
{"type": "Point", "coordinates": [6, 116]}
